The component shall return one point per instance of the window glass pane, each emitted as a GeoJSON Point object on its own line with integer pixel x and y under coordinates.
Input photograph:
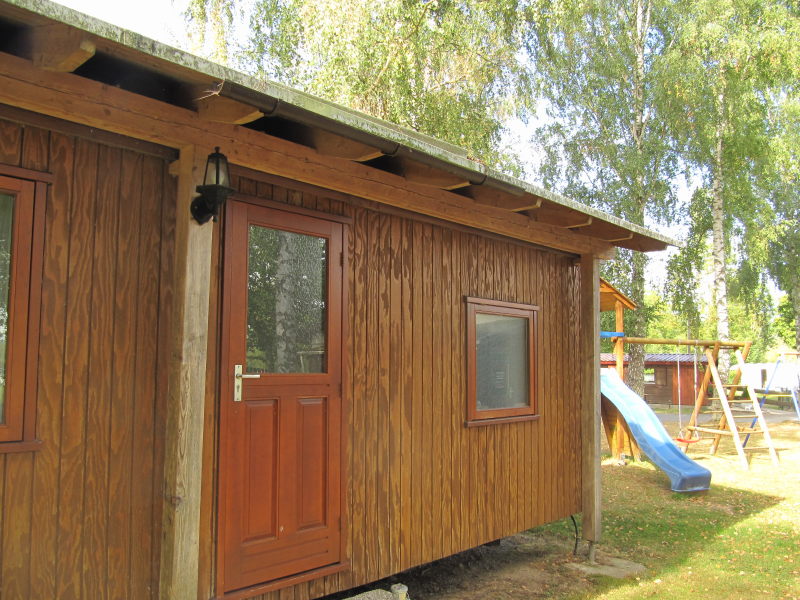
{"type": "Point", "coordinates": [6, 223]}
{"type": "Point", "coordinates": [650, 375]}
{"type": "Point", "coordinates": [286, 302]}
{"type": "Point", "coordinates": [502, 362]}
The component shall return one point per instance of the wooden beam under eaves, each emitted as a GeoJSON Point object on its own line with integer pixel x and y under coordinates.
{"type": "Point", "coordinates": [431, 176]}
{"type": "Point", "coordinates": [219, 109]}
{"type": "Point", "coordinates": [562, 216]}
{"type": "Point", "coordinates": [589, 220]}
{"type": "Point", "coordinates": [59, 47]}
{"type": "Point", "coordinates": [622, 238]}
{"type": "Point", "coordinates": [330, 144]}
{"type": "Point", "coordinates": [500, 199]}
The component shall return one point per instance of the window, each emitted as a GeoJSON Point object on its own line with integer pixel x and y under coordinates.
{"type": "Point", "coordinates": [20, 272]}
{"type": "Point", "coordinates": [501, 361]}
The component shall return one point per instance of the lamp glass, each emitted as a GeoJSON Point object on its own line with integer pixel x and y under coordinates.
{"type": "Point", "coordinates": [217, 169]}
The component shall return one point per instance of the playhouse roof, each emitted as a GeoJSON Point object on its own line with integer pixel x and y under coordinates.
{"type": "Point", "coordinates": [609, 296]}
{"type": "Point", "coordinates": [188, 81]}
{"type": "Point", "coordinates": [659, 357]}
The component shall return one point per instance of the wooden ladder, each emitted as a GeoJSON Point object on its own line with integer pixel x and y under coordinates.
{"type": "Point", "coordinates": [733, 398]}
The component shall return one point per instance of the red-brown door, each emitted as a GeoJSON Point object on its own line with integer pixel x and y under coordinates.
{"type": "Point", "coordinates": [280, 421]}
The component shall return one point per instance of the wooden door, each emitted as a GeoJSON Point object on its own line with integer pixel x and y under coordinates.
{"type": "Point", "coordinates": [280, 440]}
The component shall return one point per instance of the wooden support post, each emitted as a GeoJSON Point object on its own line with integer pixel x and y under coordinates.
{"type": "Point", "coordinates": [590, 398]}
{"type": "Point", "coordinates": [184, 437]}
{"type": "Point", "coordinates": [619, 343]}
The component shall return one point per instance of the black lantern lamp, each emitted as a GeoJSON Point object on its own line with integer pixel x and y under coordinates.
{"type": "Point", "coordinates": [215, 188]}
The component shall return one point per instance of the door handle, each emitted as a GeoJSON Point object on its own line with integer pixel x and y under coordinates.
{"type": "Point", "coordinates": [237, 381]}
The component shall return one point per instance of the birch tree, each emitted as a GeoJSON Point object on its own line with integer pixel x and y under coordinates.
{"type": "Point", "coordinates": [600, 73]}
{"type": "Point", "coordinates": [728, 57]}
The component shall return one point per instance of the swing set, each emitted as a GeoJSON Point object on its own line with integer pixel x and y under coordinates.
{"type": "Point", "coordinates": [731, 402]}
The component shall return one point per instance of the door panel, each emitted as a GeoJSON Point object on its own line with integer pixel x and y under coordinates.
{"type": "Point", "coordinates": [280, 443]}
{"type": "Point", "coordinates": [312, 438]}
{"type": "Point", "coordinates": [261, 461]}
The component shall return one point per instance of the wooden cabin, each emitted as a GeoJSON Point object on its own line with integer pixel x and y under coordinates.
{"type": "Point", "coordinates": [663, 371]}
{"type": "Point", "coordinates": [297, 397]}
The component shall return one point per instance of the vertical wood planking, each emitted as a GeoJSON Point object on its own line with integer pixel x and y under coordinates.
{"type": "Point", "coordinates": [371, 417]}
{"type": "Point", "coordinates": [76, 369]}
{"type": "Point", "coordinates": [44, 528]}
{"type": "Point", "coordinates": [385, 476]}
{"type": "Point", "coordinates": [68, 539]}
{"type": "Point", "coordinates": [448, 465]}
{"type": "Point", "coordinates": [438, 492]}
{"type": "Point", "coordinates": [427, 533]}
{"type": "Point", "coordinates": [101, 364]}
{"type": "Point", "coordinates": [121, 482]}
{"type": "Point", "coordinates": [418, 402]}
{"type": "Point", "coordinates": [358, 484]}
{"type": "Point", "coordinates": [395, 383]}
{"type": "Point", "coordinates": [458, 405]}
{"type": "Point", "coordinates": [144, 442]}
{"type": "Point", "coordinates": [167, 214]}
{"type": "Point", "coordinates": [407, 495]}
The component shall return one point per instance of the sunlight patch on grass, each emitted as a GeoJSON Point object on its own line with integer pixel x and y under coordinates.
{"type": "Point", "coordinates": [741, 539]}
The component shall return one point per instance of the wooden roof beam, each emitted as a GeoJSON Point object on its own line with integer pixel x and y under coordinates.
{"type": "Point", "coordinates": [58, 47]}
{"type": "Point", "coordinates": [564, 216]}
{"type": "Point", "coordinates": [499, 199]}
{"type": "Point", "coordinates": [331, 144]}
{"type": "Point", "coordinates": [219, 109]}
{"type": "Point", "coordinates": [589, 220]}
{"type": "Point", "coordinates": [431, 176]}
{"type": "Point", "coordinates": [622, 238]}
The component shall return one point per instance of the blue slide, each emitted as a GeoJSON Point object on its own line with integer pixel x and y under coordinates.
{"type": "Point", "coordinates": [684, 474]}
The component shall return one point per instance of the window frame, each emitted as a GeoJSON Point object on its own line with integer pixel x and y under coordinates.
{"type": "Point", "coordinates": [530, 313]}
{"type": "Point", "coordinates": [29, 188]}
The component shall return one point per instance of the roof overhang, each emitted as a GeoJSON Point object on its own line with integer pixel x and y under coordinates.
{"type": "Point", "coordinates": [98, 50]}
{"type": "Point", "coordinates": [610, 296]}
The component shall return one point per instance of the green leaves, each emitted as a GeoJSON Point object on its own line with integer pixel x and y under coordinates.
{"type": "Point", "coordinates": [448, 69]}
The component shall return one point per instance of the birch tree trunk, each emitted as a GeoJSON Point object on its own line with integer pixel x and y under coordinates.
{"type": "Point", "coordinates": [638, 321]}
{"type": "Point", "coordinates": [718, 249]}
{"type": "Point", "coordinates": [794, 296]}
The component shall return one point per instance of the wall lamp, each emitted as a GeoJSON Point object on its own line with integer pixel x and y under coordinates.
{"type": "Point", "coordinates": [215, 189]}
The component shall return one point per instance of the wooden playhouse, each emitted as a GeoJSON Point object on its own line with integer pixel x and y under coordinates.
{"type": "Point", "coordinates": [302, 396]}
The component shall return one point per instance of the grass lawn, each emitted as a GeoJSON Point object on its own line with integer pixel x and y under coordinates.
{"type": "Point", "coordinates": [741, 539]}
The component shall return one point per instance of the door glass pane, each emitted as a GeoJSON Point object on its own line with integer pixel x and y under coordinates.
{"type": "Point", "coordinates": [502, 362]}
{"type": "Point", "coordinates": [286, 302]}
{"type": "Point", "coordinates": [6, 223]}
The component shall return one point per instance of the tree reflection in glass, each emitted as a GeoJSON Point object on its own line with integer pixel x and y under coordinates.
{"type": "Point", "coordinates": [286, 302]}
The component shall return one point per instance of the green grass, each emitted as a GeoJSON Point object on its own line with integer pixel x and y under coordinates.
{"type": "Point", "coordinates": [741, 539]}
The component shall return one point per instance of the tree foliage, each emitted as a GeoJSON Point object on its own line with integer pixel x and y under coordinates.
{"type": "Point", "coordinates": [448, 69]}
{"type": "Point", "coordinates": [601, 81]}
{"type": "Point", "coordinates": [727, 60]}
{"type": "Point", "coordinates": [783, 251]}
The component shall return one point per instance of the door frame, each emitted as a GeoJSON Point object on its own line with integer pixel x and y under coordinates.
{"type": "Point", "coordinates": [223, 357]}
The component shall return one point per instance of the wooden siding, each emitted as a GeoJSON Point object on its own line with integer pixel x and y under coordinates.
{"type": "Point", "coordinates": [420, 485]}
{"type": "Point", "coordinates": [80, 517]}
